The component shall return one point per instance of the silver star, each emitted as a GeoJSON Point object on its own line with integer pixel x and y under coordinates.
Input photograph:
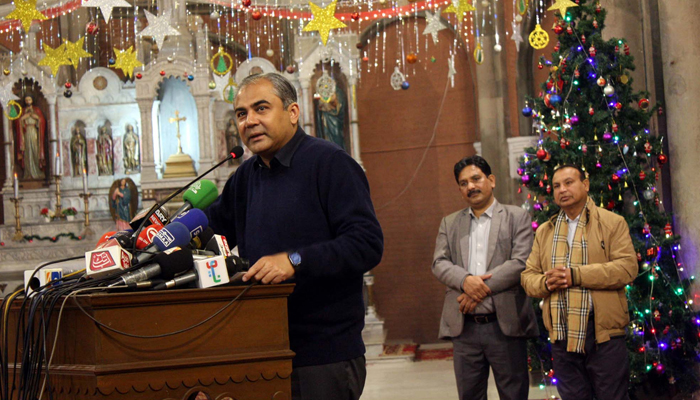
{"type": "Point", "coordinates": [221, 82]}
{"type": "Point", "coordinates": [6, 94]}
{"type": "Point", "coordinates": [106, 6]}
{"type": "Point", "coordinates": [517, 37]}
{"type": "Point", "coordinates": [159, 27]}
{"type": "Point", "coordinates": [452, 72]}
{"type": "Point", "coordinates": [435, 25]}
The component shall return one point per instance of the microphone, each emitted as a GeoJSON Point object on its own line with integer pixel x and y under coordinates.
{"type": "Point", "coordinates": [219, 246]}
{"type": "Point", "coordinates": [158, 217]}
{"type": "Point", "coordinates": [213, 271]}
{"type": "Point", "coordinates": [146, 236]}
{"type": "Point", "coordinates": [235, 152]}
{"type": "Point", "coordinates": [199, 195]}
{"type": "Point", "coordinates": [175, 234]}
{"type": "Point", "coordinates": [200, 241]}
{"type": "Point", "coordinates": [195, 220]}
{"type": "Point", "coordinates": [124, 238]}
{"type": "Point", "coordinates": [107, 259]}
{"type": "Point", "coordinates": [105, 237]}
{"type": "Point", "coordinates": [166, 265]}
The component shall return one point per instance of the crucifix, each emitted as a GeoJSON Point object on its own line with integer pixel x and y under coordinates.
{"type": "Point", "coordinates": [177, 120]}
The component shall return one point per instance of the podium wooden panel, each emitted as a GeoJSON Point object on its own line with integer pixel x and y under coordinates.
{"type": "Point", "coordinates": [243, 353]}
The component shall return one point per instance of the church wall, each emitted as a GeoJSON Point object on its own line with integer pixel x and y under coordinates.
{"type": "Point", "coordinates": [395, 129]}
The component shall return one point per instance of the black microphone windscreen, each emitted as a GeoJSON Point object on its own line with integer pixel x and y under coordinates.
{"type": "Point", "coordinates": [203, 238]}
{"type": "Point", "coordinates": [237, 152]}
{"type": "Point", "coordinates": [174, 263]}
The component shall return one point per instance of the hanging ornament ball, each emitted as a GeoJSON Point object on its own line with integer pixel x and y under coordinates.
{"type": "Point", "coordinates": [518, 18]}
{"type": "Point", "coordinates": [212, 85]}
{"type": "Point", "coordinates": [611, 205]}
{"type": "Point", "coordinates": [574, 119]}
{"type": "Point", "coordinates": [646, 265]}
{"type": "Point", "coordinates": [541, 154]}
{"type": "Point", "coordinates": [433, 59]}
{"type": "Point", "coordinates": [270, 52]}
{"type": "Point", "coordinates": [170, 59]}
{"type": "Point", "coordinates": [190, 77]}
{"type": "Point", "coordinates": [67, 93]}
{"type": "Point", "coordinates": [68, 85]}
{"type": "Point", "coordinates": [214, 15]}
{"type": "Point", "coordinates": [139, 76]}
{"type": "Point", "coordinates": [291, 69]}
{"type": "Point", "coordinates": [607, 136]}
{"type": "Point", "coordinates": [555, 99]}
{"type": "Point", "coordinates": [359, 45]}
{"type": "Point", "coordinates": [609, 90]}
{"type": "Point", "coordinates": [405, 85]}
{"type": "Point", "coordinates": [601, 81]}
{"type": "Point", "coordinates": [526, 206]}
{"type": "Point", "coordinates": [256, 15]}
{"type": "Point", "coordinates": [649, 194]}
{"type": "Point", "coordinates": [111, 61]}
{"type": "Point", "coordinates": [365, 58]}
{"type": "Point", "coordinates": [643, 104]}
{"type": "Point", "coordinates": [527, 111]}
{"type": "Point", "coordinates": [6, 71]}
{"type": "Point", "coordinates": [548, 101]}
{"type": "Point", "coordinates": [24, 72]}
{"type": "Point", "coordinates": [662, 159]}
{"type": "Point", "coordinates": [485, 3]}
{"type": "Point", "coordinates": [537, 206]}
{"type": "Point", "coordinates": [355, 16]}
{"type": "Point", "coordinates": [91, 28]}
{"type": "Point", "coordinates": [497, 48]}
{"type": "Point", "coordinates": [616, 178]}
{"type": "Point", "coordinates": [618, 106]}
{"type": "Point", "coordinates": [558, 29]}
{"type": "Point", "coordinates": [591, 111]}
{"type": "Point", "coordinates": [642, 175]}
{"type": "Point", "coordinates": [246, 3]}
{"type": "Point", "coordinates": [535, 225]}
{"type": "Point", "coordinates": [162, 73]}
{"type": "Point", "coordinates": [525, 178]}
{"type": "Point", "coordinates": [411, 58]}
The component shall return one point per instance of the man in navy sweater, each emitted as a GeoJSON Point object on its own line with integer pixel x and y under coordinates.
{"type": "Point", "coordinates": [300, 210]}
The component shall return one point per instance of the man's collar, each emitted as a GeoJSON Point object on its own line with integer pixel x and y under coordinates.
{"type": "Point", "coordinates": [285, 154]}
{"type": "Point", "coordinates": [488, 212]}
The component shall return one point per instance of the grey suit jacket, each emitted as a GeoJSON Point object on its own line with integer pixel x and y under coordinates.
{"type": "Point", "coordinates": [510, 242]}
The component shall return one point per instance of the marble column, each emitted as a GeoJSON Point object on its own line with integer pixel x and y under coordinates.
{"type": "Point", "coordinates": [54, 143]}
{"type": "Point", "coordinates": [680, 55]}
{"type": "Point", "coordinates": [354, 125]}
{"type": "Point", "coordinates": [148, 166]}
{"type": "Point", "coordinates": [206, 133]}
{"type": "Point", "coordinates": [306, 107]}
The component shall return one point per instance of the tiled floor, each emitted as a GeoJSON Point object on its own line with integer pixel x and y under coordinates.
{"type": "Point", "coordinates": [423, 380]}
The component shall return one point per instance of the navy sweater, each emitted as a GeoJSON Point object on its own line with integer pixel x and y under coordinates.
{"type": "Point", "coordinates": [314, 199]}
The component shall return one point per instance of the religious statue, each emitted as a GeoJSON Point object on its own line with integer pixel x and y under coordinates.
{"type": "Point", "coordinates": [232, 138]}
{"type": "Point", "coordinates": [123, 200]}
{"type": "Point", "coordinates": [330, 118]}
{"type": "Point", "coordinates": [105, 150]}
{"type": "Point", "coordinates": [78, 149]}
{"type": "Point", "coordinates": [132, 162]}
{"type": "Point", "coordinates": [30, 129]}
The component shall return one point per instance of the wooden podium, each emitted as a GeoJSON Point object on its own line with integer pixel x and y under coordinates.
{"type": "Point", "coordinates": [243, 353]}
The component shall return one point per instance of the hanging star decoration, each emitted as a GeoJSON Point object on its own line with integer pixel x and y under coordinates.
{"type": "Point", "coordinates": [435, 25]}
{"type": "Point", "coordinates": [517, 37]}
{"type": "Point", "coordinates": [452, 71]}
{"type": "Point", "coordinates": [26, 12]}
{"type": "Point", "coordinates": [74, 51]}
{"type": "Point", "coordinates": [159, 27]}
{"type": "Point", "coordinates": [221, 82]}
{"type": "Point", "coordinates": [54, 58]}
{"type": "Point", "coordinates": [126, 61]}
{"type": "Point", "coordinates": [562, 5]}
{"type": "Point", "coordinates": [7, 95]}
{"type": "Point", "coordinates": [106, 6]}
{"type": "Point", "coordinates": [324, 20]}
{"type": "Point", "coordinates": [460, 8]}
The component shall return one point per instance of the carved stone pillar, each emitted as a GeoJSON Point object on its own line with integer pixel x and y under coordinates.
{"type": "Point", "coordinates": [306, 106]}
{"type": "Point", "coordinates": [354, 125]}
{"type": "Point", "coordinates": [54, 144]}
{"type": "Point", "coordinates": [148, 166]}
{"type": "Point", "coordinates": [207, 144]}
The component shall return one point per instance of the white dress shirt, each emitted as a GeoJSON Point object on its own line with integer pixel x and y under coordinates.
{"type": "Point", "coordinates": [478, 252]}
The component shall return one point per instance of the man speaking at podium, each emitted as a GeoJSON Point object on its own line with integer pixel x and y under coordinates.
{"type": "Point", "coordinates": [300, 210]}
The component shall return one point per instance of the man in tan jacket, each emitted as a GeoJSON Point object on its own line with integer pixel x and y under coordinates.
{"type": "Point", "coordinates": [581, 260]}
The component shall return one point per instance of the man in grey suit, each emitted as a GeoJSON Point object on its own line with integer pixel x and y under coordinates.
{"type": "Point", "coordinates": [479, 255]}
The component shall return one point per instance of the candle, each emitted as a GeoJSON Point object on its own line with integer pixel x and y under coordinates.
{"type": "Point", "coordinates": [16, 187]}
{"type": "Point", "coordinates": [57, 170]}
{"type": "Point", "coordinates": [85, 188]}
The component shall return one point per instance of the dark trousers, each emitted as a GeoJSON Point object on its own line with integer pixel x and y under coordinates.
{"type": "Point", "coordinates": [483, 345]}
{"type": "Point", "coordinates": [603, 371]}
{"type": "Point", "coordinates": [343, 380]}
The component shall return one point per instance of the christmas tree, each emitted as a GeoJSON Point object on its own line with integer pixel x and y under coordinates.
{"type": "Point", "coordinates": [588, 114]}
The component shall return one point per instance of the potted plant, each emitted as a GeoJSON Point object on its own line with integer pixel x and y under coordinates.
{"type": "Point", "coordinates": [46, 214]}
{"type": "Point", "coordinates": [70, 213]}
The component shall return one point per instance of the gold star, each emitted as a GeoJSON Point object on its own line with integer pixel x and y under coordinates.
{"type": "Point", "coordinates": [324, 20]}
{"type": "Point", "coordinates": [74, 51]}
{"type": "Point", "coordinates": [126, 60]}
{"type": "Point", "coordinates": [562, 5]}
{"type": "Point", "coordinates": [460, 8]}
{"type": "Point", "coordinates": [54, 58]}
{"type": "Point", "coordinates": [25, 11]}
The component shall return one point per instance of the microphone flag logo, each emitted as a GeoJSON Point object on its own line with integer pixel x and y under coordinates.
{"type": "Point", "coordinates": [211, 266]}
{"type": "Point", "coordinates": [101, 260]}
{"type": "Point", "coordinates": [196, 187]}
{"type": "Point", "coordinates": [165, 237]}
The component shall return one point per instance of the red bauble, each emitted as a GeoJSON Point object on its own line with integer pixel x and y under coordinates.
{"type": "Point", "coordinates": [92, 28]}
{"type": "Point", "coordinates": [643, 104]}
{"type": "Point", "coordinates": [541, 154]}
{"type": "Point", "coordinates": [256, 15]}
{"type": "Point", "coordinates": [139, 76]}
{"type": "Point", "coordinates": [365, 58]}
{"type": "Point", "coordinates": [595, 23]}
{"type": "Point", "coordinates": [68, 85]}
{"type": "Point", "coordinates": [591, 111]}
{"type": "Point", "coordinates": [557, 46]}
{"type": "Point", "coordinates": [355, 16]}
{"type": "Point", "coordinates": [611, 205]}
{"type": "Point", "coordinates": [162, 73]}
{"type": "Point", "coordinates": [540, 66]}
{"type": "Point", "coordinates": [616, 178]}
{"type": "Point", "coordinates": [662, 159]}
{"type": "Point", "coordinates": [618, 106]}
{"type": "Point", "coordinates": [598, 8]}
{"type": "Point", "coordinates": [642, 175]}
{"type": "Point", "coordinates": [291, 69]}
{"type": "Point", "coordinates": [558, 29]}
{"type": "Point", "coordinates": [246, 3]}
{"type": "Point", "coordinates": [615, 128]}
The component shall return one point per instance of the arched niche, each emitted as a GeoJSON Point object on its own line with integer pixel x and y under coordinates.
{"type": "Point", "coordinates": [176, 101]}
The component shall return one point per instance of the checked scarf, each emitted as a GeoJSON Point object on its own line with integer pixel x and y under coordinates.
{"type": "Point", "coordinates": [570, 307]}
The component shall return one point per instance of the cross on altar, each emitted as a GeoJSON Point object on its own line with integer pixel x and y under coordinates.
{"type": "Point", "coordinates": [177, 120]}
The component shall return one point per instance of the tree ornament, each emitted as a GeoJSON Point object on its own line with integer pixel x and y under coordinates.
{"type": "Point", "coordinates": [397, 79]}
{"type": "Point", "coordinates": [269, 52]}
{"type": "Point", "coordinates": [583, 39]}
{"type": "Point", "coordinates": [158, 27]}
{"type": "Point", "coordinates": [595, 23]}
{"type": "Point", "coordinates": [643, 104]}
{"type": "Point", "coordinates": [74, 51]}
{"type": "Point", "coordinates": [111, 61]}
{"type": "Point", "coordinates": [668, 230]}
{"type": "Point", "coordinates": [54, 58]}
{"type": "Point", "coordinates": [615, 178]}
{"type": "Point", "coordinates": [618, 106]}
{"type": "Point", "coordinates": [162, 73]}
{"type": "Point", "coordinates": [434, 26]}
{"type": "Point", "coordinates": [601, 81]}
{"type": "Point", "coordinates": [591, 51]}
{"type": "Point", "coordinates": [615, 128]}
{"type": "Point", "coordinates": [617, 49]}
{"type": "Point", "coordinates": [642, 175]}
{"type": "Point", "coordinates": [324, 21]}
{"type": "Point", "coordinates": [662, 159]}
{"type": "Point", "coordinates": [539, 39]}
{"type": "Point", "coordinates": [106, 6]}
{"type": "Point", "coordinates": [535, 225]}
{"type": "Point", "coordinates": [541, 154]}
{"type": "Point", "coordinates": [574, 119]}
{"type": "Point", "coordinates": [626, 49]}
{"type": "Point", "coordinates": [190, 77]}
{"type": "Point", "coordinates": [625, 149]}
{"type": "Point", "coordinates": [291, 69]}
{"type": "Point", "coordinates": [405, 85]}
{"type": "Point", "coordinates": [611, 205]}
{"type": "Point", "coordinates": [549, 189]}
{"type": "Point", "coordinates": [221, 58]}
{"type": "Point", "coordinates": [527, 111]}
{"type": "Point", "coordinates": [67, 93]}
{"type": "Point", "coordinates": [648, 194]}
{"type": "Point", "coordinates": [68, 85]}
{"type": "Point", "coordinates": [25, 11]}
{"type": "Point", "coordinates": [609, 90]}
{"type": "Point", "coordinates": [212, 85]}
{"type": "Point", "coordinates": [214, 15]}
{"type": "Point", "coordinates": [584, 148]}
{"type": "Point", "coordinates": [246, 3]}
{"type": "Point", "coordinates": [478, 53]}
{"type": "Point", "coordinates": [459, 8]}
{"type": "Point", "coordinates": [91, 28]}
{"type": "Point", "coordinates": [558, 29]}
{"type": "Point", "coordinates": [411, 58]}
{"type": "Point", "coordinates": [598, 8]}
{"type": "Point", "coordinates": [256, 15]}
{"type": "Point", "coordinates": [365, 58]}
{"type": "Point", "coordinates": [647, 148]}
{"type": "Point", "coordinates": [555, 99]}
{"type": "Point", "coordinates": [577, 74]}
{"type": "Point", "coordinates": [607, 136]}
{"type": "Point", "coordinates": [127, 61]}
{"type": "Point", "coordinates": [557, 46]}
{"type": "Point", "coordinates": [540, 66]}
{"type": "Point", "coordinates": [230, 89]}
{"type": "Point", "coordinates": [563, 143]}
{"type": "Point", "coordinates": [6, 71]}
{"type": "Point", "coordinates": [525, 178]}
{"type": "Point", "coordinates": [591, 111]}
{"type": "Point", "coordinates": [497, 48]}
{"type": "Point", "coordinates": [569, 30]}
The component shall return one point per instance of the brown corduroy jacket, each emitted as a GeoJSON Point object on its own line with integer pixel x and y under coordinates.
{"type": "Point", "coordinates": [612, 264]}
